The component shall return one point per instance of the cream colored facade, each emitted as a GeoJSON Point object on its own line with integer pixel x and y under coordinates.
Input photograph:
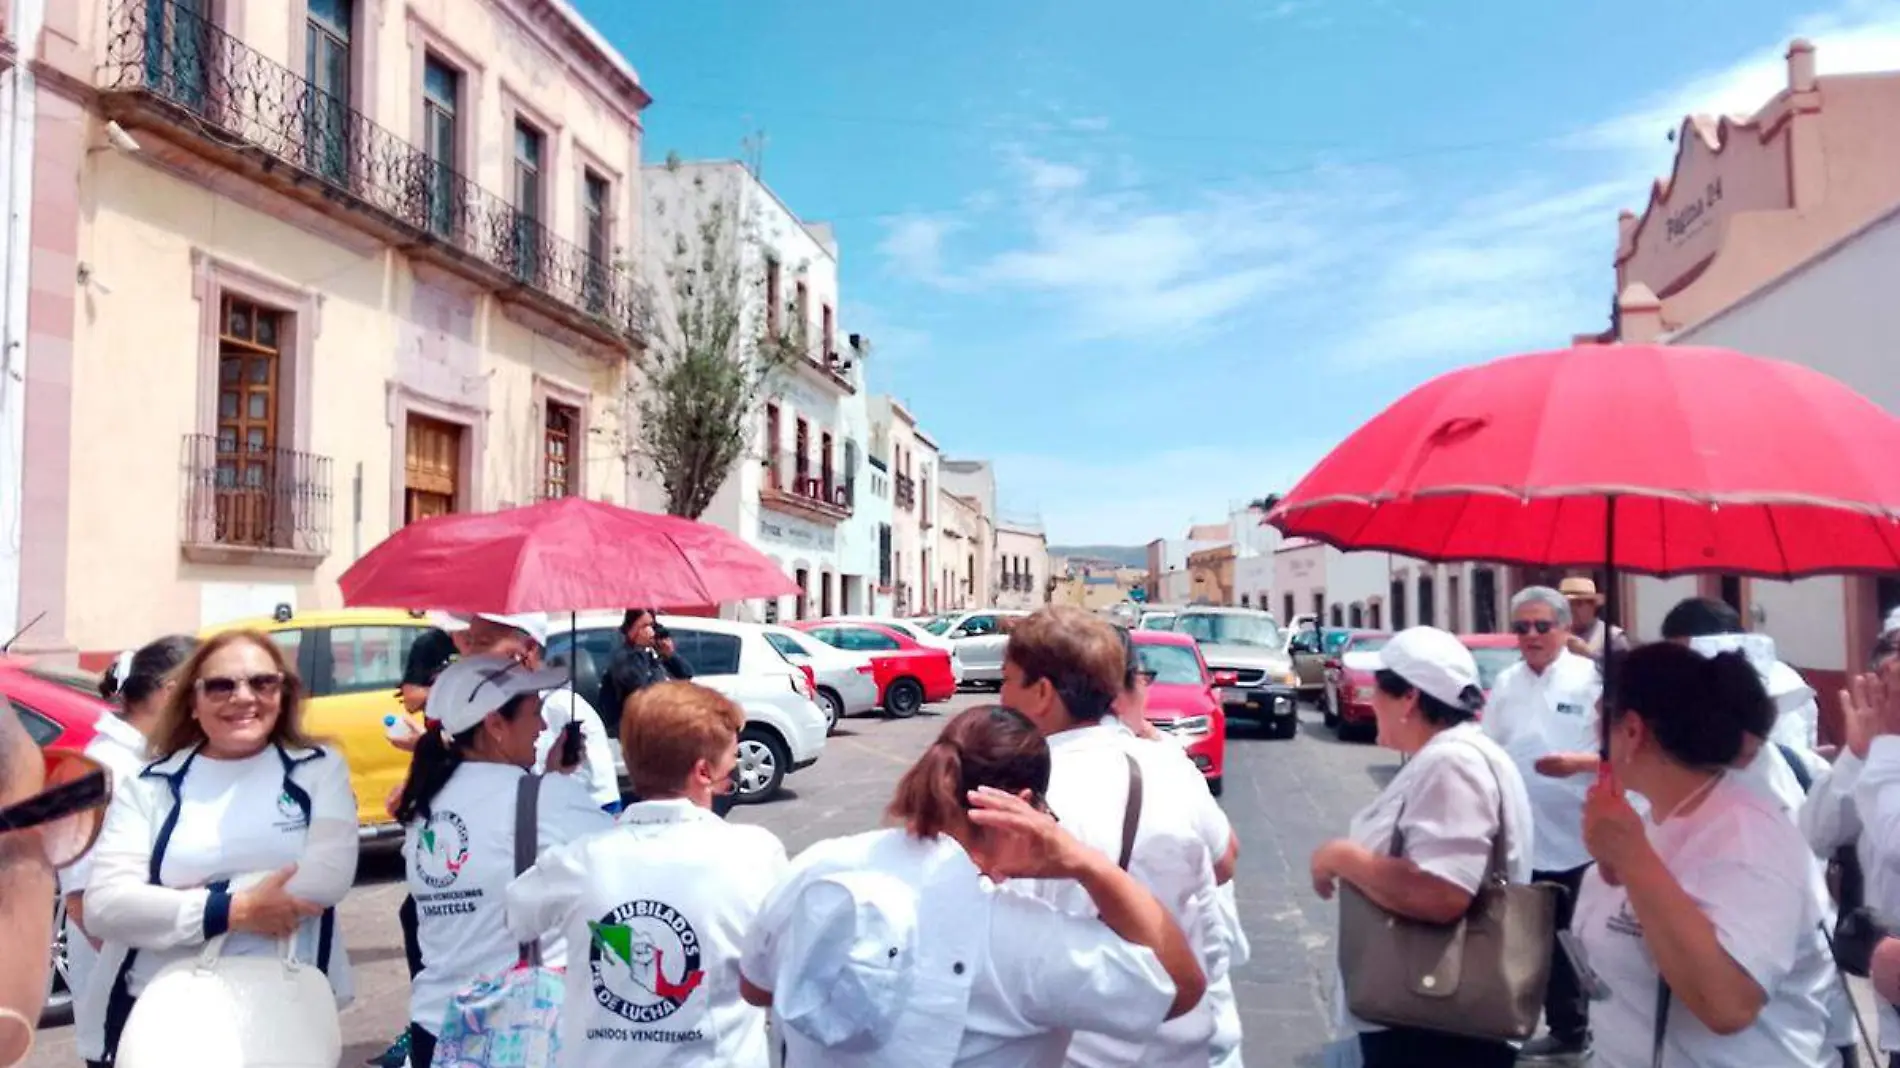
{"type": "Point", "coordinates": [963, 546]}
{"type": "Point", "coordinates": [911, 457]}
{"type": "Point", "coordinates": [449, 325]}
{"type": "Point", "coordinates": [1022, 564]}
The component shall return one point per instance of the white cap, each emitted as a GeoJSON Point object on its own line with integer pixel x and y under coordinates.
{"type": "Point", "coordinates": [1435, 662]}
{"type": "Point", "coordinates": [1783, 683]}
{"type": "Point", "coordinates": [849, 969]}
{"type": "Point", "coordinates": [1892, 622]}
{"type": "Point", "coordinates": [472, 687]}
{"type": "Point", "coordinates": [533, 624]}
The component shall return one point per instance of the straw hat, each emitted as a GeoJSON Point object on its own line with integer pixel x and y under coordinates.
{"type": "Point", "coordinates": [1580, 589]}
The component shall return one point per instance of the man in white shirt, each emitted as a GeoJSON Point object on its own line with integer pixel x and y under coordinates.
{"type": "Point", "coordinates": [662, 903]}
{"type": "Point", "coordinates": [1543, 706]}
{"type": "Point", "coordinates": [1064, 669]}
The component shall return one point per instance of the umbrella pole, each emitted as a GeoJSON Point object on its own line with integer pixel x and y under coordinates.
{"type": "Point", "coordinates": [1613, 605]}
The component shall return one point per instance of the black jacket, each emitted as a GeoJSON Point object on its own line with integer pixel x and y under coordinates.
{"type": "Point", "coordinates": [633, 669]}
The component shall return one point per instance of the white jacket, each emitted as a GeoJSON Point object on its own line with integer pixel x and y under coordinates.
{"type": "Point", "coordinates": [132, 910]}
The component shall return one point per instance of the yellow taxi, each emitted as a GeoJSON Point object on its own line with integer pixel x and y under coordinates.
{"type": "Point", "coordinates": [351, 662]}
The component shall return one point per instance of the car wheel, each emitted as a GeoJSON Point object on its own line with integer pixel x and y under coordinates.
{"type": "Point", "coordinates": [59, 990]}
{"type": "Point", "coordinates": [833, 705]}
{"type": "Point", "coordinates": [763, 760]}
{"type": "Point", "coordinates": [1287, 728]}
{"type": "Point", "coordinates": [1214, 785]}
{"type": "Point", "coordinates": [903, 698]}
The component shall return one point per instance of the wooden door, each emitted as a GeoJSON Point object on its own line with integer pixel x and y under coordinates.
{"type": "Point", "coordinates": [432, 468]}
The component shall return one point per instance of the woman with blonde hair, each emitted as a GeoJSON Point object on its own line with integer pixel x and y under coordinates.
{"type": "Point", "coordinates": [242, 827]}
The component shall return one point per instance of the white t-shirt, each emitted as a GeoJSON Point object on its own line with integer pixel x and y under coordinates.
{"type": "Point", "coordinates": [1744, 861]}
{"type": "Point", "coordinates": [1031, 975]}
{"type": "Point", "coordinates": [1088, 791]}
{"type": "Point", "coordinates": [1447, 799]}
{"type": "Point", "coordinates": [122, 753]}
{"type": "Point", "coordinates": [1874, 789]}
{"type": "Point", "coordinates": [458, 863]}
{"type": "Point", "coordinates": [1533, 715]}
{"type": "Point", "coordinates": [663, 903]}
{"type": "Point", "coordinates": [596, 773]}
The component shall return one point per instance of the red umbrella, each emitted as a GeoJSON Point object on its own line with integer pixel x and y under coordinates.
{"type": "Point", "coordinates": [560, 556]}
{"type": "Point", "coordinates": [1652, 458]}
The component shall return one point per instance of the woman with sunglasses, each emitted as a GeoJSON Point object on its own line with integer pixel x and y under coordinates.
{"type": "Point", "coordinates": [139, 683]}
{"type": "Point", "coordinates": [241, 827]}
{"type": "Point", "coordinates": [890, 948]}
{"type": "Point", "coordinates": [51, 805]}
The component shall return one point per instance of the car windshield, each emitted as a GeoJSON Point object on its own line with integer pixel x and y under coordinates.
{"type": "Point", "coordinates": [1223, 628]}
{"type": "Point", "coordinates": [1491, 663]}
{"type": "Point", "coordinates": [1158, 621]}
{"type": "Point", "coordinates": [1336, 640]}
{"type": "Point", "coordinates": [938, 626]}
{"type": "Point", "coordinates": [1174, 664]}
{"type": "Point", "coordinates": [1367, 644]}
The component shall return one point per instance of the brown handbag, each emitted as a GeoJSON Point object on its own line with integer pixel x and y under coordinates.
{"type": "Point", "coordinates": [1482, 976]}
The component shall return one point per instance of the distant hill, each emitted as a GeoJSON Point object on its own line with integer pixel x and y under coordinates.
{"type": "Point", "coordinates": [1125, 555]}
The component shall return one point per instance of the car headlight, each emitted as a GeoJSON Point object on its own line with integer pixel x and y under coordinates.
{"type": "Point", "coordinates": [1291, 678]}
{"type": "Point", "coordinates": [1362, 694]}
{"type": "Point", "coordinates": [1195, 726]}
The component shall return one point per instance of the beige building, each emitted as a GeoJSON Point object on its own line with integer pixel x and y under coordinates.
{"type": "Point", "coordinates": [1022, 564]}
{"type": "Point", "coordinates": [965, 535]}
{"type": "Point", "coordinates": [1097, 590]}
{"type": "Point", "coordinates": [339, 265]}
{"type": "Point", "coordinates": [912, 456]}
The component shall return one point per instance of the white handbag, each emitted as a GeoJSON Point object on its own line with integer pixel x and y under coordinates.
{"type": "Point", "coordinates": [214, 1011]}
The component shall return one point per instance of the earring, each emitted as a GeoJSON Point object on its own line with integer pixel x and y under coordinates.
{"type": "Point", "coordinates": [12, 1016]}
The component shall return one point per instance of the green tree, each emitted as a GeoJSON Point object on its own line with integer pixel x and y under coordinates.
{"type": "Point", "coordinates": [712, 359]}
{"type": "Point", "coordinates": [1265, 504]}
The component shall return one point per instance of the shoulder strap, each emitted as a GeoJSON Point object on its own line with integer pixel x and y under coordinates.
{"type": "Point", "coordinates": [527, 835]}
{"type": "Point", "coordinates": [1662, 1024]}
{"type": "Point", "coordinates": [1798, 766]}
{"type": "Point", "coordinates": [1131, 815]}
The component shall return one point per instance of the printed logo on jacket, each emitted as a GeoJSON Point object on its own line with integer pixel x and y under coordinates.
{"type": "Point", "coordinates": [644, 958]}
{"type": "Point", "coordinates": [441, 854]}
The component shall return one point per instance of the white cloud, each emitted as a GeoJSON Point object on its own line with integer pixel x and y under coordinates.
{"type": "Point", "coordinates": [914, 245]}
{"type": "Point", "coordinates": [1134, 500]}
{"type": "Point", "coordinates": [1862, 37]}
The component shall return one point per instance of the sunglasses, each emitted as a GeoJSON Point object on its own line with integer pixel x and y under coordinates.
{"type": "Point", "coordinates": [225, 687]}
{"type": "Point", "coordinates": [1522, 627]}
{"type": "Point", "coordinates": [68, 812]}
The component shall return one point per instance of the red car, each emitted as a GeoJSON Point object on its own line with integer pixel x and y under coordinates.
{"type": "Point", "coordinates": [1181, 700]}
{"type": "Point", "coordinates": [1349, 678]}
{"type": "Point", "coordinates": [908, 674]}
{"type": "Point", "coordinates": [62, 710]}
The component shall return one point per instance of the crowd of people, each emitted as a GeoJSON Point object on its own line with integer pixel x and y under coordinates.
{"type": "Point", "coordinates": [1054, 885]}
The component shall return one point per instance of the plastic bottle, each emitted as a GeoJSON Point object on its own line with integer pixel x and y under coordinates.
{"type": "Point", "coordinates": [398, 729]}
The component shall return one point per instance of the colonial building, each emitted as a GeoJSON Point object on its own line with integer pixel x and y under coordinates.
{"type": "Point", "coordinates": [304, 272]}
{"type": "Point", "coordinates": [1778, 234]}
{"type": "Point", "coordinates": [1022, 563]}
{"type": "Point", "coordinates": [912, 457]}
{"type": "Point", "coordinates": [975, 482]}
{"type": "Point", "coordinates": [798, 498]}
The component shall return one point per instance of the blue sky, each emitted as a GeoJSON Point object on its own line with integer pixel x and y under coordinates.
{"type": "Point", "coordinates": [1154, 264]}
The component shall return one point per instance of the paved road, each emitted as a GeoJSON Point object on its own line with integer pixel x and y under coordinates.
{"type": "Point", "coordinates": [1284, 798]}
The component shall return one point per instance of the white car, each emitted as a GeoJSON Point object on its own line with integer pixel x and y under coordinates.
{"type": "Point", "coordinates": [915, 632]}
{"type": "Point", "coordinates": [785, 728]}
{"type": "Point", "coordinates": [979, 640]}
{"type": "Point", "coordinates": [847, 684]}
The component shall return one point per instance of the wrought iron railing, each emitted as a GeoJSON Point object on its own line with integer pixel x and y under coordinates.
{"type": "Point", "coordinates": [906, 492]}
{"type": "Point", "coordinates": [254, 497]}
{"type": "Point", "coordinates": [801, 475]}
{"type": "Point", "coordinates": [209, 80]}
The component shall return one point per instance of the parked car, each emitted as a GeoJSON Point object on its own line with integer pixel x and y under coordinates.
{"type": "Point", "coordinates": [908, 673]}
{"type": "Point", "coordinates": [1247, 654]}
{"type": "Point", "coordinates": [1311, 649]}
{"type": "Point", "coordinates": [1182, 703]}
{"type": "Point", "coordinates": [61, 710]}
{"type": "Point", "coordinates": [351, 662]}
{"type": "Point", "coordinates": [1156, 619]}
{"type": "Point", "coordinates": [844, 682]}
{"type": "Point", "coordinates": [785, 728]}
{"type": "Point", "coordinates": [1349, 679]}
{"type": "Point", "coordinates": [913, 630]}
{"type": "Point", "coordinates": [979, 639]}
